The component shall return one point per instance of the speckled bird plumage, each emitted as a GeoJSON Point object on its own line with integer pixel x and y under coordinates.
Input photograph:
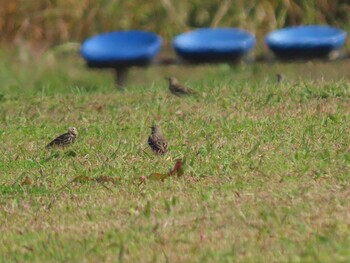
{"type": "Point", "coordinates": [157, 141]}
{"type": "Point", "coordinates": [178, 89]}
{"type": "Point", "coordinates": [64, 139]}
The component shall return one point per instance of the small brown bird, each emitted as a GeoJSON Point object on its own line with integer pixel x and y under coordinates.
{"type": "Point", "coordinates": [64, 139]}
{"type": "Point", "coordinates": [156, 140]}
{"type": "Point", "coordinates": [279, 78]}
{"type": "Point", "coordinates": [177, 89]}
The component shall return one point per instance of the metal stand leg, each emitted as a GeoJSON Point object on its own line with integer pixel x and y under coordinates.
{"type": "Point", "coordinates": [121, 77]}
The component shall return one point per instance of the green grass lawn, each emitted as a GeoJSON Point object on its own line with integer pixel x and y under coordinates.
{"type": "Point", "coordinates": [267, 166]}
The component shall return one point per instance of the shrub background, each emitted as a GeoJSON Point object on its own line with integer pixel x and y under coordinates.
{"type": "Point", "coordinates": [50, 22]}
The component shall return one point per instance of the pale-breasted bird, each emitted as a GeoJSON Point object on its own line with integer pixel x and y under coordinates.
{"type": "Point", "coordinates": [178, 89]}
{"type": "Point", "coordinates": [64, 139]}
{"type": "Point", "coordinates": [157, 141]}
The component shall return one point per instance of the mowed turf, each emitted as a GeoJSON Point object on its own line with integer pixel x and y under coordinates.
{"type": "Point", "coordinates": [266, 177]}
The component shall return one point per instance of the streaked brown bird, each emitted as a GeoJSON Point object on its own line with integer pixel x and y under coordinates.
{"type": "Point", "coordinates": [64, 139]}
{"type": "Point", "coordinates": [279, 78]}
{"type": "Point", "coordinates": [157, 141]}
{"type": "Point", "coordinates": [178, 89]}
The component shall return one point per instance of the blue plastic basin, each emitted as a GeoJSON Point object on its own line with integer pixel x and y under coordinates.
{"type": "Point", "coordinates": [213, 44]}
{"type": "Point", "coordinates": [121, 48]}
{"type": "Point", "coordinates": [305, 41]}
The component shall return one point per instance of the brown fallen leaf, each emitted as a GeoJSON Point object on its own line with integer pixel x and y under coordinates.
{"type": "Point", "coordinates": [98, 107]}
{"type": "Point", "coordinates": [106, 179]}
{"type": "Point", "coordinates": [178, 168]}
{"type": "Point", "coordinates": [81, 179]}
{"type": "Point", "coordinates": [158, 176]}
{"type": "Point", "coordinates": [27, 181]}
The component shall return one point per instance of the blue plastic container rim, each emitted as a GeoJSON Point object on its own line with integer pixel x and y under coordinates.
{"type": "Point", "coordinates": [307, 35]}
{"type": "Point", "coordinates": [121, 46]}
{"type": "Point", "coordinates": [215, 39]}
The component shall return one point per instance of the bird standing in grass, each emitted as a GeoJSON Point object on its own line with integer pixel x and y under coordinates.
{"type": "Point", "coordinates": [279, 78]}
{"type": "Point", "coordinates": [157, 141]}
{"type": "Point", "coordinates": [177, 89]}
{"type": "Point", "coordinates": [64, 139]}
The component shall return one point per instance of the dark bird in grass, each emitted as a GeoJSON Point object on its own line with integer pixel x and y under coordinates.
{"type": "Point", "coordinates": [178, 89]}
{"type": "Point", "coordinates": [279, 78]}
{"type": "Point", "coordinates": [157, 141]}
{"type": "Point", "coordinates": [64, 139]}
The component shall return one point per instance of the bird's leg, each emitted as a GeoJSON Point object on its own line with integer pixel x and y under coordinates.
{"type": "Point", "coordinates": [121, 77]}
